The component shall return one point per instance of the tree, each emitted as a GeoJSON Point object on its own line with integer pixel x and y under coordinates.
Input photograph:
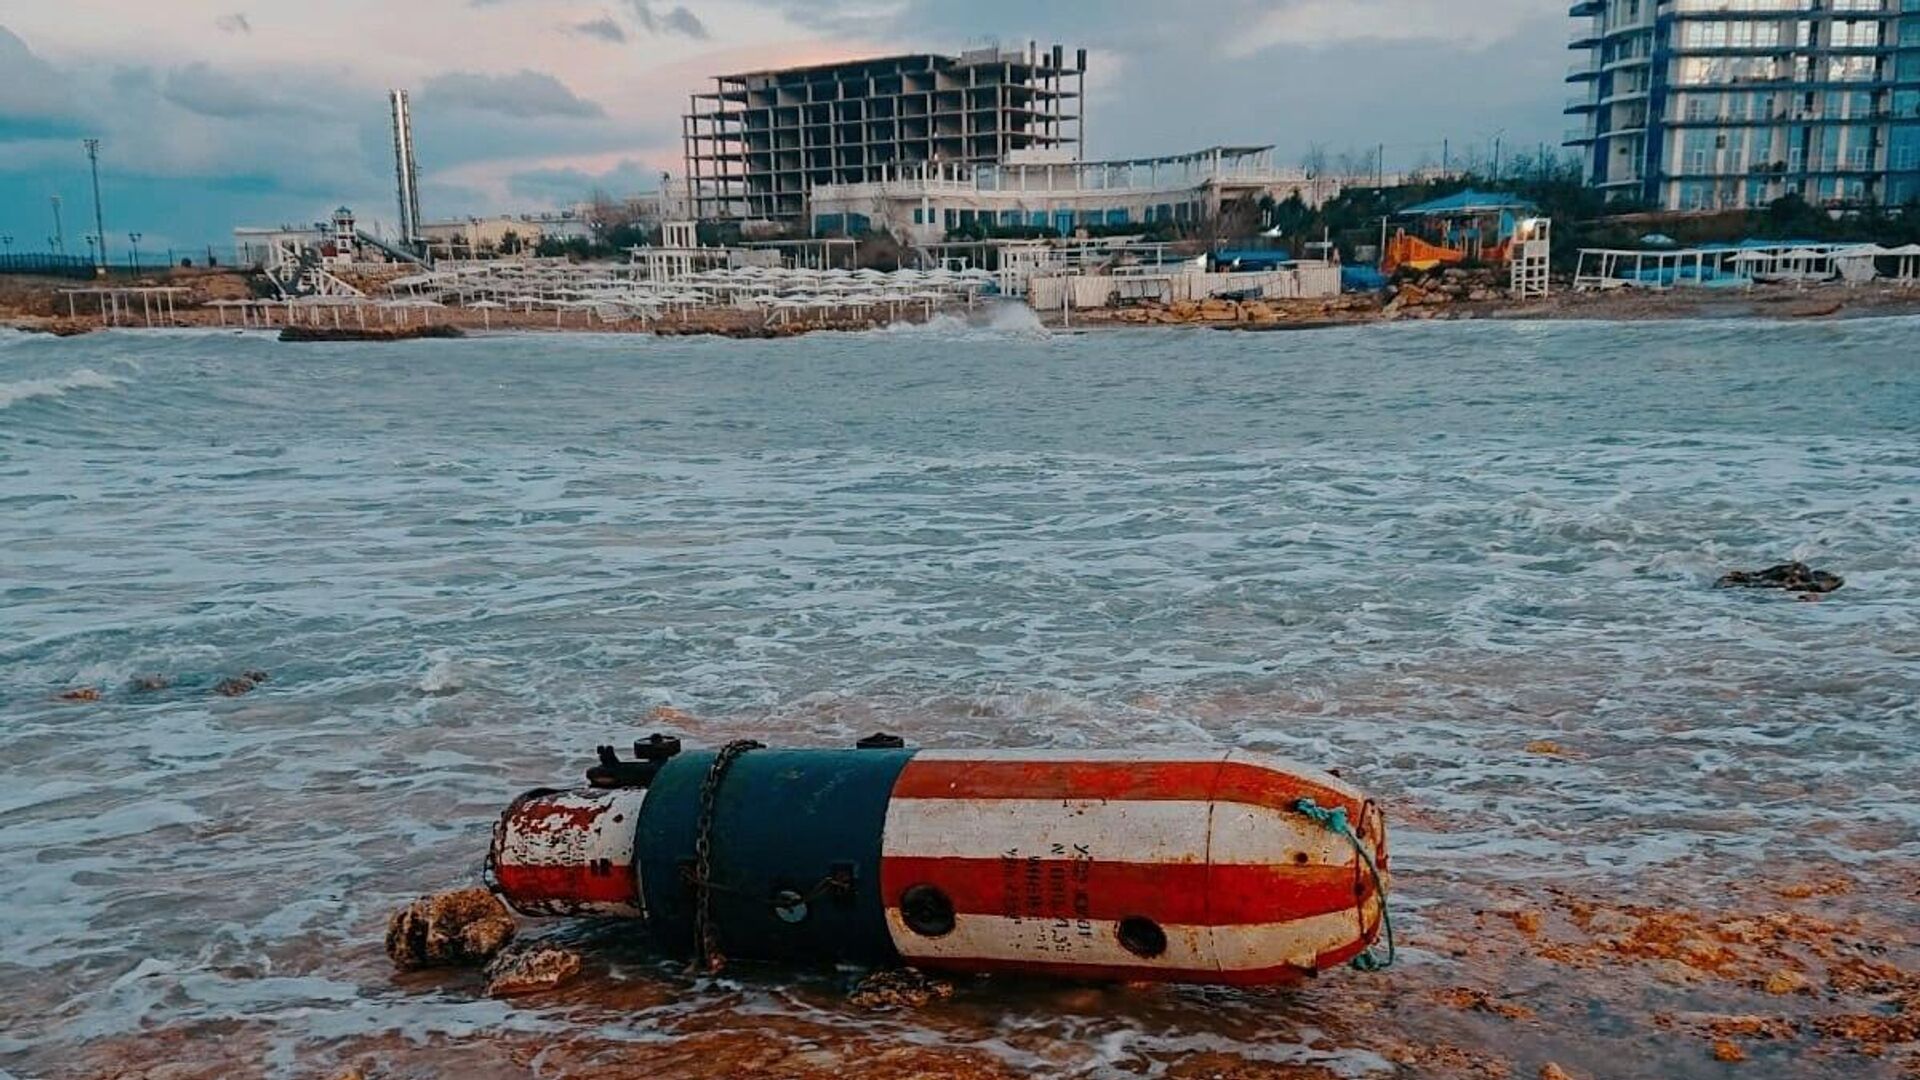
{"type": "Point", "coordinates": [1314, 161]}
{"type": "Point", "coordinates": [1356, 163]}
{"type": "Point", "coordinates": [1290, 215]}
{"type": "Point", "coordinates": [604, 212]}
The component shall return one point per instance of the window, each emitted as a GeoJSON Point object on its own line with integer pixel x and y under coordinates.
{"type": "Point", "coordinates": [1903, 148]}
{"type": "Point", "coordinates": [1856, 34]}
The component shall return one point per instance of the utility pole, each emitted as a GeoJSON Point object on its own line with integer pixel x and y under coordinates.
{"type": "Point", "coordinates": [1496, 157]}
{"type": "Point", "coordinates": [1446, 157]}
{"type": "Point", "coordinates": [59, 234]}
{"type": "Point", "coordinates": [1380, 165]}
{"type": "Point", "coordinates": [99, 226]}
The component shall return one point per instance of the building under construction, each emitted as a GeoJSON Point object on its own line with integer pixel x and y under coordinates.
{"type": "Point", "coordinates": [760, 142]}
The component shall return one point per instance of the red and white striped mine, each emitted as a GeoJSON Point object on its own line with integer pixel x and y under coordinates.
{"type": "Point", "coordinates": [1127, 865]}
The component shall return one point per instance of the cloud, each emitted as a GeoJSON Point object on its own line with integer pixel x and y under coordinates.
{"type": "Point", "coordinates": [525, 94]}
{"type": "Point", "coordinates": [1327, 23]}
{"type": "Point", "coordinates": [235, 23]}
{"type": "Point", "coordinates": [565, 186]}
{"type": "Point", "coordinates": [676, 21]}
{"type": "Point", "coordinates": [603, 28]}
{"type": "Point", "coordinates": [128, 81]}
{"type": "Point", "coordinates": [31, 91]}
{"type": "Point", "coordinates": [221, 144]}
{"type": "Point", "coordinates": [198, 88]}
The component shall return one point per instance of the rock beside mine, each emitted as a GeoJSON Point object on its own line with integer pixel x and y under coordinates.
{"type": "Point", "coordinates": [899, 988]}
{"type": "Point", "coordinates": [242, 683]}
{"type": "Point", "coordinates": [1793, 577]}
{"type": "Point", "coordinates": [461, 928]}
{"type": "Point", "coordinates": [529, 968]}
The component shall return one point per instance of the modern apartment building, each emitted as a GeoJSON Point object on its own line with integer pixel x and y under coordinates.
{"type": "Point", "coordinates": [1724, 104]}
{"type": "Point", "coordinates": [758, 144]}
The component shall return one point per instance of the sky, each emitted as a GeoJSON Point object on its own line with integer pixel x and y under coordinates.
{"type": "Point", "coordinates": [217, 113]}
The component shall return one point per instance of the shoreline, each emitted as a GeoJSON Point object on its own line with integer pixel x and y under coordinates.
{"type": "Point", "coordinates": [1784, 304]}
{"type": "Point", "coordinates": [33, 306]}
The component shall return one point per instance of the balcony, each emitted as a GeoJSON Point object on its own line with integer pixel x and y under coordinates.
{"type": "Point", "coordinates": [1582, 71]}
{"type": "Point", "coordinates": [1580, 105]}
{"type": "Point", "coordinates": [1585, 39]}
{"type": "Point", "coordinates": [1576, 137]}
{"type": "Point", "coordinates": [1585, 8]}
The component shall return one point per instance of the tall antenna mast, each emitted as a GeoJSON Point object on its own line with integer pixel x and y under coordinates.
{"type": "Point", "coordinates": [99, 225]}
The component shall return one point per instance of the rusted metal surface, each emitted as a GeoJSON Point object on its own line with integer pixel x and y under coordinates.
{"type": "Point", "coordinates": [569, 853]}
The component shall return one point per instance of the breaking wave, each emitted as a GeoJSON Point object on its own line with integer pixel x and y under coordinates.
{"type": "Point", "coordinates": [56, 386]}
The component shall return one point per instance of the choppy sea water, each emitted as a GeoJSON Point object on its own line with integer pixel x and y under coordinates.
{"type": "Point", "coordinates": [1403, 551]}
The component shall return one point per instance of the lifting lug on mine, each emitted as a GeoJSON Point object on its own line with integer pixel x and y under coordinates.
{"type": "Point", "coordinates": [655, 748]}
{"type": "Point", "coordinates": [648, 755]}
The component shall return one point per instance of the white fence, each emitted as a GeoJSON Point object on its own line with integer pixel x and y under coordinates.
{"type": "Point", "coordinates": [1051, 292]}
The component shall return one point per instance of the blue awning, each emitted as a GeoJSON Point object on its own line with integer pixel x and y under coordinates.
{"type": "Point", "coordinates": [1469, 202]}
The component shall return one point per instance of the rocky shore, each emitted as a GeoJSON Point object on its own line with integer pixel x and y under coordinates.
{"type": "Point", "coordinates": [1482, 294]}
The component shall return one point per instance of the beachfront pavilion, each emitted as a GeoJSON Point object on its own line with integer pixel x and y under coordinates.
{"type": "Point", "coordinates": [116, 303]}
{"type": "Point", "coordinates": [1742, 265]}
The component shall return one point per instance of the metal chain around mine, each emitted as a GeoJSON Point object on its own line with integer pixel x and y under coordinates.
{"type": "Point", "coordinates": [706, 940]}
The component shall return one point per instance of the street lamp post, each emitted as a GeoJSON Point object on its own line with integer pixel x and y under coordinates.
{"type": "Point", "coordinates": [6, 242]}
{"type": "Point", "coordinates": [134, 239]}
{"type": "Point", "coordinates": [59, 238]}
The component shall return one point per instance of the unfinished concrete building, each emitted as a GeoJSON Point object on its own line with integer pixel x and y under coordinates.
{"type": "Point", "coordinates": [758, 144]}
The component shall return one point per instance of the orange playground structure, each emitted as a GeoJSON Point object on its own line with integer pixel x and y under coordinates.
{"type": "Point", "coordinates": [1469, 225]}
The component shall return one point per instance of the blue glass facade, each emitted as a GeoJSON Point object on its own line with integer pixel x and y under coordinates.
{"type": "Point", "coordinates": [1724, 104]}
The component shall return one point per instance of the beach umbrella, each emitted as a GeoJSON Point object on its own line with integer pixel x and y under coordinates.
{"type": "Point", "coordinates": [487, 308]}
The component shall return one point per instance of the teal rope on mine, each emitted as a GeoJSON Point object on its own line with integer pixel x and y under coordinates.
{"type": "Point", "coordinates": [1335, 820]}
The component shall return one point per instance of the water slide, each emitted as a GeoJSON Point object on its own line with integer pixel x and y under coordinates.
{"type": "Point", "coordinates": [397, 253]}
